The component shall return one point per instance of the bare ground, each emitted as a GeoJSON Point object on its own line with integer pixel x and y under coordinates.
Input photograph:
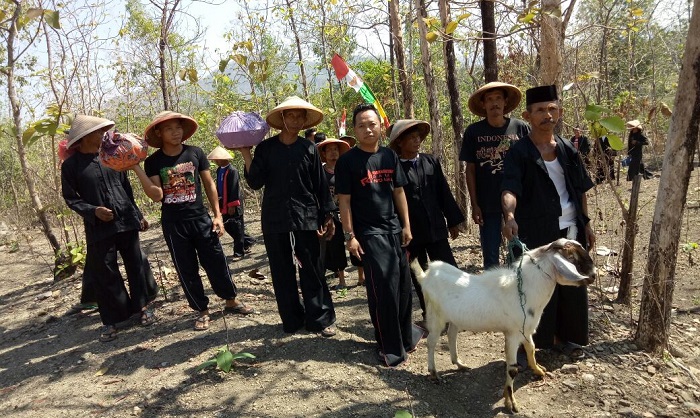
{"type": "Point", "coordinates": [52, 365]}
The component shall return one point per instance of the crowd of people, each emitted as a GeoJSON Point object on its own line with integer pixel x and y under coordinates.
{"type": "Point", "coordinates": [322, 196]}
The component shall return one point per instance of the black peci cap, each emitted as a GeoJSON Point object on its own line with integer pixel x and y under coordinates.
{"type": "Point", "coordinates": [541, 94]}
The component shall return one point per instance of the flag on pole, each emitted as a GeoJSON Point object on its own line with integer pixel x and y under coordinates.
{"type": "Point", "coordinates": [341, 125]}
{"type": "Point", "coordinates": [342, 71]}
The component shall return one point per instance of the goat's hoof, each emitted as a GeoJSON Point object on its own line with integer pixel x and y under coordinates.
{"type": "Point", "coordinates": [539, 370]}
{"type": "Point", "coordinates": [435, 377]}
{"type": "Point", "coordinates": [461, 366]}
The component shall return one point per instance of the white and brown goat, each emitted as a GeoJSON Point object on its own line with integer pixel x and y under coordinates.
{"type": "Point", "coordinates": [490, 301]}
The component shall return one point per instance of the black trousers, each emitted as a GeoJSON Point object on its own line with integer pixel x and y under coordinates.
{"type": "Point", "coordinates": [566, 314]}
{"type": "Point", "coordinates": [189, 241]}
{"type": "Point", "coordinates": [315, 311]}
{"type": "Point", "coordinates": [105, 282]}
{"type": "Point", "coordinates": [438, 250]}
{"type": "Point", "coordinates": [389, 296]}
{"type": "Point", "coordinates": [234, 227]}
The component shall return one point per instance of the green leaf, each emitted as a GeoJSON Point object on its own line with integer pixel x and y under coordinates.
{"type": "Point", "coordinates": [223, 64]}
{"type": "Point", "coordinates": [224, 360]}
{"type": "Point", "coordinates": [206, 364]}
{"type": "Point", "coordinates": [613, 124]}
{"type": "Point", "coordinates": [51, 17]}
{"type": "Point", "coordinates": [431, 36]}
{"type": "Point", "coordinates": [34, 12]}
{"type": "Point", "coordinates": [591, 115]}
{"type": "Point", "coordinates": [182, 74]}
{"type": "Point", "coordinates": [615, 142]}
{"type": "Point", "coordinates": [242, 355]}
{"type": "Point", "coordinates": [636, 12]}
{"type": "Point", "coordinates": [463, 16]}
{"type": "Point", "coordinates": [192, 74]}
{"type": "Point", "coordinates": [403, 414]}
{"type": "Point", "coordinates": [450, 27]}
{"type": "Point", "coordinates": [27, 134]}
{"type": "Point", "coordinates": [527, 18]}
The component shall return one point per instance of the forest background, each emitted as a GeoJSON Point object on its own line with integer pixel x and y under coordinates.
{"type": "Point", "coordinates": [617, 60]}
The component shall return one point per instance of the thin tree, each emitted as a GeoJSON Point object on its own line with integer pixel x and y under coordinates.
{"type": "Point", "coordinates": [429, 79]}
{"type": "Point", "coordinates": [659, 280]}
{"type": "Point", "coordinates": [14, 25]}
{"type": "Point", "coordinates": [488, 31]}
{"type": "Point", "coordinates": [404, 76]}
{"type": "Point", "coordinates": [289, 14]}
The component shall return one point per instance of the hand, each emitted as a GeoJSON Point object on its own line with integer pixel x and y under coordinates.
{"type": "Point", "coordinates": [330, 228]}
{"type": "Point", "coordinates": [476, 215]}
{"type": "Point", "coordinates": [354, 248]}
{"type": "Point", "coordinates": [321, 231]}
{"type": "Point", "coordinates": [104, 214]}
{"type": "Point", "coordinates": [144, 225]}
{"type": "Point", "coordinates": [510, 229]}
{"type": "Point", "coordinates": [406, 237]}
{"type": "Point", "coordinates": [590, 236]}
{"type": "Point", "coordinates": [218, 226]}
{"type": "Point", "coordinates": [454, 232]}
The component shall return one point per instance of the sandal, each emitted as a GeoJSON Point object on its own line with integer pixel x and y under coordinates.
{"type": "Point", "coordinates": [108, 333]}
{"type": "Point", "coordinates": [201, 323]}
{"type": "Point", "coordinates": [328, 331]}
{"type": "Point", "coordinates": [573, 350]}
{"type": "Point", "coordinates": [148, 317]}
{"type": "Point", "coordinates": [240, 309]}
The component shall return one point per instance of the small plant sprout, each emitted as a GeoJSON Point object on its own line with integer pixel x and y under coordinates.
{"type": "Point", "coordinates": [224, 359]}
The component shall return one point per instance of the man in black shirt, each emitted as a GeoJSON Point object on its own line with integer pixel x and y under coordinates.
{"type": "Point", "coordinates": [296, 209]}
{"type": "Point", "coordinates": [369, 184]}
{"type": "Point", "coordinates": [105, 200]}
{"type": "Point", "coordinates": [484, 148]}
{"type": "Point", "coordinates": [544, 199]}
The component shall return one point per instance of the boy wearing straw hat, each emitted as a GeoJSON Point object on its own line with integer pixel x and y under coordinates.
{"type": "Point", "coordinates": [175, 175]}
{"type": "Point", "coordinates": [484, 148]}
{"type": "Point", "coordinates": [544, 199]}
{"type": "Point", "coordinates": [105, 200]}
{"type": "Point", "coordinates": [635, 144]}
{"type": "Point", "coordinates": [228, 187]}
{"type": "Point", "coordinates": [432, 210]}
{"type": "Point", "coordinates": [370, 184]}
{"type": "Point", "coordinates": [296, 209]}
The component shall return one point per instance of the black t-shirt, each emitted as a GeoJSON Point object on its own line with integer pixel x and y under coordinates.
{"type": "Point", "coordinates": [487, 146]}
{"type": "Point", "coordinates": [179, 178]}
{"type": "Point", "coordinates": [330, 177]}
{"type": "Point", "coordinates": [370, 180]}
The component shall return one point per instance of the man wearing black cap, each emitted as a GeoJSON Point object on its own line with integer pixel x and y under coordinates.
{"type": "Point", "coordinates": [544, 198]}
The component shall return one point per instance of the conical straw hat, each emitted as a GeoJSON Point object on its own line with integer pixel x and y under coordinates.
{"type": "Point", "coordinates": [189, 127]}
{"type": "Point", "coordinates": [83, 125]}
{"type": "Point", "coordinates": [314, 116]}
{"type": "Point", "coordinates": [219, 153]}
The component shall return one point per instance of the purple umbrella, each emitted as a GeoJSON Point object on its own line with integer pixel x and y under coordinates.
{"type": "Point", "coordinates": [242, 129]}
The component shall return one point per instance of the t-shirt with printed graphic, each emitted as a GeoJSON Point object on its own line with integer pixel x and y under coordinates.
{"type": "Point", "coordinates": [370, 180]}
{"type": "Point", "coordinates": [487, 146]}
{"type": "Point", "coordinates": [179, 178]}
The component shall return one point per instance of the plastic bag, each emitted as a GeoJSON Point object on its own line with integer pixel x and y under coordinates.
{"type": "Point", "coordinates": [121, 151]}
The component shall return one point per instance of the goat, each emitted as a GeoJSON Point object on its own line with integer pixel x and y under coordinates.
{"type": "Point", "coordinates": [490, 301]}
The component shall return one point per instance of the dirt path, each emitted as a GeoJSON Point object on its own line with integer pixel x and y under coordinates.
{"type": "Point", "coordinates": [51, 364]}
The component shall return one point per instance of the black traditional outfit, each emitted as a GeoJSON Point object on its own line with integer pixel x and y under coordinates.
{"type": "Point", "coordinates": [635, 143]}
{"type": "Point", "coordinates": [86, 185]}
{"type": "Point", "coordinates": [537, 215]}
{"type": "Point", "coordinates": [295, 203]}
{"type": "Point", "coordinates": [430, 203]}
{"type": "Point", "coordinates": [228, 187]}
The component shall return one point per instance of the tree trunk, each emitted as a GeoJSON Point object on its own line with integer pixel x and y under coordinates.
{"type": "Point", "coordinates": [302, 70]}
{"type": "Point", "coordinates": [631, 228]}
{"type": "Point", "coordinates": [455, 108]}
{"type": "Point", "coordinates": [551, 41]}
{"type": "Point", "coordinates": [488, 30]}
{"type": "Point", "coordinates": [404, 76]}
{"type": "Point", "coordinates": [657, 294]}
{"type": "Point", "coordinates": [9, 70]}
{"type": "Point", "coordinates": [429, 82]}
{"type": "Point", "coordinates": [162, 43]}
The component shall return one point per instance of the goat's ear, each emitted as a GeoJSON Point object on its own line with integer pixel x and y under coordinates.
{"type": "Point", "coordinates": [566, 268]}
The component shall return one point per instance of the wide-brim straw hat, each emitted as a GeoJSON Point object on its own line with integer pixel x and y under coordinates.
{"type": "Point", "coordinates": [514, 95]}
{"type": "Point", "coordinates": [343, 147]}
{"type": "Point", "coordinates": [189, 127]}
{"type": "Point", "coordinates": [314, 116]}
{"type": "Point", "coordinates": [83, 125]}
{"type": "Point", "coordinates": [402, 125]}
{"type": "Point", "coordinates": [633, 124]}
{"type": "Point", "coordinates": [219, 153]}
{"type": "Point", "coordinates": [349, 139]}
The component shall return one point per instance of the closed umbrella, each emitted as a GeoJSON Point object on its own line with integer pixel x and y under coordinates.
{"type": "Point", "coordinates": [242, 129]}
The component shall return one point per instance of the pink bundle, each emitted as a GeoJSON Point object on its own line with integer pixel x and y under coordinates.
{"type": "Point", "coordinates": [63, 151]}
{"type": "Point", "coordinates": [121, 151]}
